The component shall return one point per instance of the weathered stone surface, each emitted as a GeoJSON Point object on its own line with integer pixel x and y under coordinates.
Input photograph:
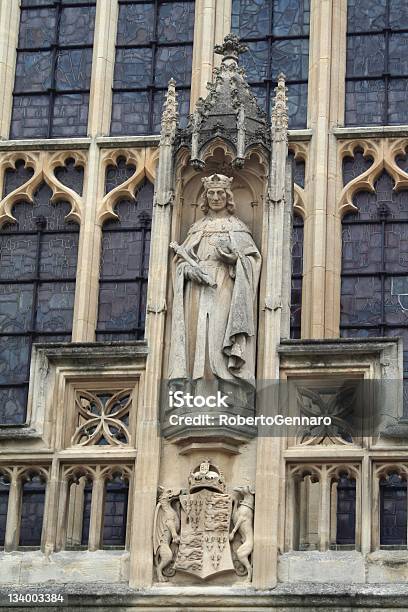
{"type": "Point", "coordinates": [322, 567]}
{"type": "Point", "coordinates": [387, 566]}
{"type": "Point", "coordinates": [33, 567]}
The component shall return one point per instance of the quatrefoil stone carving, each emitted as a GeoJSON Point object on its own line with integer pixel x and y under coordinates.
{"type": "Point", "coordinates": [102, 418]}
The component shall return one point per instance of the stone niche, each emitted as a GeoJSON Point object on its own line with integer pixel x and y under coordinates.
{"type": "Point", "coordinates": [248, 187]}
{"type": "Point", "coordinates": [217, 302]}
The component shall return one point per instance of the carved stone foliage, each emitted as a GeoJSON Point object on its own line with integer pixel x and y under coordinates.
{"type": "Point", "coordinates": [44, 166]}
{"type": "Point", "coordinates": [204, 530]}
{"type": "Point", "coordinates": [102, 418]}
{"type": "Point", "coordinates": [385, 154]}
{"type": "Point", "coordinates": [279, 115]}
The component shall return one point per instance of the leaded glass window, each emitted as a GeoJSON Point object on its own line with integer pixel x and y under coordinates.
{"type": "Point", "coordinates": [4, 496]}
{"type": "Point", "coordinates": [32, 510]}
{"type": "Point", "coordinates": [38, 259]}
{"type": "Point", "coordinates": [297, 275]}
{"type": "Point", "coordinates": [299, 170]}
{"type": "Point", "coordinates": [154, 44]}
{"type": "Point", "coordinates": [393, 511]}
{"type": "Point", "coordinates": [377, 65]}
{"type": "Point", "coordinates": [86, 512]}
{"type": "Point", "coordinates": [125, 263]}
{"type": "Point", "coordinates": [277, 34]}
{"type": "Point", "coordinates": [374, 286]}
{"type": "Point", "coordinates": [346, 511]}
{"type": "Point", "coordinates": [115, 512]}
{"type": "Point", "coordinates": [53, 69]}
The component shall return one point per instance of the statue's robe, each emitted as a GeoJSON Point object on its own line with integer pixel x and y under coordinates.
{"type": "Point", "coordinates": [213, 328]}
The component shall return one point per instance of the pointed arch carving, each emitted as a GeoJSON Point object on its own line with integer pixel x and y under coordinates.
{"type": "Point", "coordinates": [73, 473]}
{"type": "Point", "coordinates": [26, 472]}
{"type": "Point", "coordinates": [299, 472]}
{"type": "Point", "coordinates": [385, 469]}
{"type": "Point", "coordinates": [44, 165]}
{"type": "Point", "coordinates": [124, 472]}
{"type": "Point", "coordinates": [351, 470]}
{"type": "Point", "coordinates": [145, 162]}
{"type": "Point", "coordinates": [384, 153]}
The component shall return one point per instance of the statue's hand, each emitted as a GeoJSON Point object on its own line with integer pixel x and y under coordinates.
{"type": "Point", "coordinates": [228, 257]}
{"type": "Point", "coordinates": [197, 275]}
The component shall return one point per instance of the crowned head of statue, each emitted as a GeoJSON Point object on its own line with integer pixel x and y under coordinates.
{"type": "Point", "coordinates": [217, 195]}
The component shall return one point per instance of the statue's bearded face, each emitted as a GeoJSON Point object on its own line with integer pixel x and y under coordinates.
{"type": "Point", "coordinates": [216, 198]}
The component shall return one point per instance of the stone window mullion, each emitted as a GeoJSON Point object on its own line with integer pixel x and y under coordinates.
{"type": "Point", "coordinates": [96, 524]}
{"type": "Point", "coordinates": [9, 20]}
{"type": "Point", "coordinates": [62, 514]}
{"type": "Point", "coordinates": [13, 513]}
{"type": "Point", "coordinates": [103, 62]}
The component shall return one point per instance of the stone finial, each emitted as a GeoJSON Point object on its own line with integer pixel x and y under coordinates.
{"type": "Point", "coordinates": [279, 114]}
{"type": "Point", "coordinates": [231, 48]}
{"type": "Point", "coordinates": [170, 114]}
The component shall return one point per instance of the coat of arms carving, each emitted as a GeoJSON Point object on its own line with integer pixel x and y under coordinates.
{"type": "Point", "coordinates": [196, 530]}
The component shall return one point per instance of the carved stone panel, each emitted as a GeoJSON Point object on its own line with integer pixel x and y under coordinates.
{"type": "Point", "coordinates": [204, 530]}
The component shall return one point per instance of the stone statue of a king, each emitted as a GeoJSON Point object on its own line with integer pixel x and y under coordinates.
{"type": "Point", "coordinates": [216, 274]}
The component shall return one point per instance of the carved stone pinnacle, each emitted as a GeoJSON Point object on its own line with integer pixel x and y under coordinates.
{"type": "Point", "coordinates": [231, 48]}
{"type": "Point", "coordinates": [279, 113]}
{"type": "Point", "coordinates": [169, 116]}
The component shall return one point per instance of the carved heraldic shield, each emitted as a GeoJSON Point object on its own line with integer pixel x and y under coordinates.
{"type": "Point", "coordinates": [205, 522]}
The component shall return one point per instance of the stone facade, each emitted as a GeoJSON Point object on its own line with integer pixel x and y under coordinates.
{"type": "Point", "coordinates": [213, 518]}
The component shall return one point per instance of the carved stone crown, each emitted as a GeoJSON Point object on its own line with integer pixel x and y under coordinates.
{"type": "Point", "coordinates": [206, 476]}
{"type": "Point", "coordinates": [217, 180]}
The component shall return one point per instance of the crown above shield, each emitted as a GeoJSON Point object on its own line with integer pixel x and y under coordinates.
{"type": "Point", "coordinates": [217, 181]}
{"type": "Point", "coordinates": [206, 476]}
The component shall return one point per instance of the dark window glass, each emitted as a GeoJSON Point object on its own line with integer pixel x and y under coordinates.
{"type": "Point", "coordinates": [377, 66]}
{"type": "Point", "coordinates": [298, 169]}
{"type": "Point", "coordinates": [38, 259]}
{"type": "Point", "coordinates": [4, 496]}
{"type": "Point", "coordinates": [86, 513]}
{"type": "Point", "coordinates": [154, 44]}
{"type": "Point", "coordinates": [346, 510]}
{"type": "Point", "coordinates": [374, 287]}
{"type": "Point", "coordinates": [277, 34]}
{"type": "Point", "coordinates": [32, 510]}
{"type": "Point", "coordinates": [53, 69]}
{"type": "Point", "coordinates": [393, 511]}
{"type": "Point", "coordinates": [297, 274]}
{"type": "Point", "coordinates": [125, 265]}
{"type": "Point", "coordinates": [115, 512]}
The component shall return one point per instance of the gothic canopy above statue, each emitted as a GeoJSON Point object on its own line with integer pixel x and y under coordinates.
{"type": "Point", "coordinates": [230, 110]}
